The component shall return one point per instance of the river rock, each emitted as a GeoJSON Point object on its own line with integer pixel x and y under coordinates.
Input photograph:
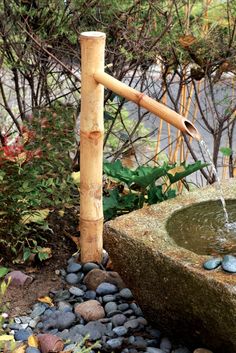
{"type": "Point", "coordinates": [95, 330]}
{"type": "Point", "coordinates": [106, 288]}
{"type": "Point", "coordinates": [65, 320]}
{"type": "Point", "coordinates": [61, 295]}
{"type": "Point", "coordinates": [229, 263]}
{"type": "Point", "coordinates": [89, 266]}
{"type": "Point", "coordinates": [154, 350]}
{"type": "Point", "coordinates": [38, 309]}
{"type": "Point", "coordinates": [18, 278]}
{"type": "Point", "coordinates": [140, 343]}
{"type": "Point", "coordinates": [73, 267]}
{"type": "Point", "coordinates": [96, 277]}
{"type": "Point", "coordinates": [126, 293]}
{"type": "Point", "coordinates": [131, 324]}
{"type": "Point", "coordinates": [110, 306]}
{"type": "Point", "coordinates": [165, 345]}
{"type": "Point", "coordinates": [22, 335]}
{"type": "Point", "coordinates": [90, 310]}
{"type": "Point", "coordinates": [64, 306]}
{"type": "Point", "coordinates": [32, 350]}
{"type": "Point", "coordinates": [118, 320]}
{"type": "Point", "coordinates": [120, 330]}
{"type": "Point", "coordinates": [72, 278]}
{"type": "Point", "coordinates": [212, 263]}
{"type": "Point", "coordinates": [115, 343]}
{"type": "Point", "coordinates": [90, 294]}
{"type": "Point", "coordinates": [76, 291]}
{"type": "Point", "coordinates": [50, 343]}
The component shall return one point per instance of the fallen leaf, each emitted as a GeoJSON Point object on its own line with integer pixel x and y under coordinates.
{"type": "Point", "coordinates": [76, 178]}
{"type": "Point", "coordinates": [46, 300]}
{"type": "Point", "coordinates": [33, 341]}
{"type": "Point", "coordinates": [61, 213]}
{"type": "Point", "coordinates": [47, 251]}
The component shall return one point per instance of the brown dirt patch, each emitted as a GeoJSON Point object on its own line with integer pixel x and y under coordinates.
{"type": "Point", "coordinates": [21, 299]}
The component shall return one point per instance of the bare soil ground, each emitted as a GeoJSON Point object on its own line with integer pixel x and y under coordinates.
{"type": "Point", "coordinates": [21, 299]}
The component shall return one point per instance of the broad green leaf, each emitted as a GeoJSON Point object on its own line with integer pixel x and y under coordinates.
{"type": "Point", "coordinates": [146, 176]}
{"type": "Point", "coordinates": [184, 170]}
{"type": "Point", "coordinates": [26, 254]}
{"type": "Point", "coordinates": [142, 176]}
{"type": "Point", "coordinates": [156, 194]}
{"type": "Point", "coordinates": [226, 151]}
{"type": "Point", "coordinates": [117, 171]}
{"type": "Point", "coordinates": [111, 201]}
{"type": "Point", "coordinates": [3, 271]}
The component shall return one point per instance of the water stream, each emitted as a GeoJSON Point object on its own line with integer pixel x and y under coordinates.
{"type": "Point", "coordinates": [218, 182]}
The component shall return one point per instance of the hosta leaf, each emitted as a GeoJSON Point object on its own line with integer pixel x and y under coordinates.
{"type": "Point", "coordinates": [117, 171]}
{"type": "Point", "coordinates": [178, 173]}
{"type": "Point", "coordinates": [142, 176]}
{"type": "Point", "coordinates": [112, 201]}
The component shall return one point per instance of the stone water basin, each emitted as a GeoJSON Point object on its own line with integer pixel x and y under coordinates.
{"type": "Point", "coordinates": [168, 280]}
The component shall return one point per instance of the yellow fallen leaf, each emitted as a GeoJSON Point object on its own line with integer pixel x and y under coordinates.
{"type": "Point", "coordinates": [76, 177]}
{"type": "Point", "coordinates": [20, 349]}
{"type": "Point", "coordinates": [33, 341]}
{"type": "Point", "coordinates": [61, 213]}
{"type": "Point", "coordinates": [35, 217]}
{"type": "Point", "coordinates": [47, 251]}
{"type": "Point", "coordinates": [178, 169]}
{"type": "Point", "coordinates": [46, 300]}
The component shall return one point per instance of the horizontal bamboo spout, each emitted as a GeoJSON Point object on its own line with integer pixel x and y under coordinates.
{"type": "Point", "coordinates": [163, 112]}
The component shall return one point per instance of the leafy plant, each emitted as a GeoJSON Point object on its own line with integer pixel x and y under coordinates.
{"type": "Point", "coordinates": [142, 185]}
{"type": "Point", "coordinates": [35, 177]}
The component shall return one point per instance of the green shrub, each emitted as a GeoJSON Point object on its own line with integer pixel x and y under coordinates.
{"type": "Point", "coordinates": [35, 174]}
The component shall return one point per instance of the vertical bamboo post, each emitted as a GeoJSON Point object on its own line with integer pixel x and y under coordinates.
{"type": "Point", "coordinates": [91, 146]}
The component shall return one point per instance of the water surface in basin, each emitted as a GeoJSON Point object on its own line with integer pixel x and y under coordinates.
{"type": "Point", "coordinates": [201, 229]}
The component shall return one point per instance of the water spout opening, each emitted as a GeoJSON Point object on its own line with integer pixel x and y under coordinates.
{"type": "Point", "coordinates": [191, 130]}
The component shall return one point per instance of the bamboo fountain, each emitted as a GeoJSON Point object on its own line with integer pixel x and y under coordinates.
{"type": "Point", "coordinates": [93, 81]}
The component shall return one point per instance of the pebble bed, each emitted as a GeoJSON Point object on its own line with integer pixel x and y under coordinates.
{"type": "Point", "coordinates": [107, 313]}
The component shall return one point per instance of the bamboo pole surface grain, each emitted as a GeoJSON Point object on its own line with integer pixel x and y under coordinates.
{"type": "Point", "coordinates": [159, 109]}
{"type": "Point", "coordinates": [91, 147]}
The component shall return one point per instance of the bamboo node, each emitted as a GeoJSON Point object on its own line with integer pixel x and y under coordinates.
{"type": "Point", "coordinates": [95, 135]}
{"type": "Point", "coordinates": [140, 97]}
